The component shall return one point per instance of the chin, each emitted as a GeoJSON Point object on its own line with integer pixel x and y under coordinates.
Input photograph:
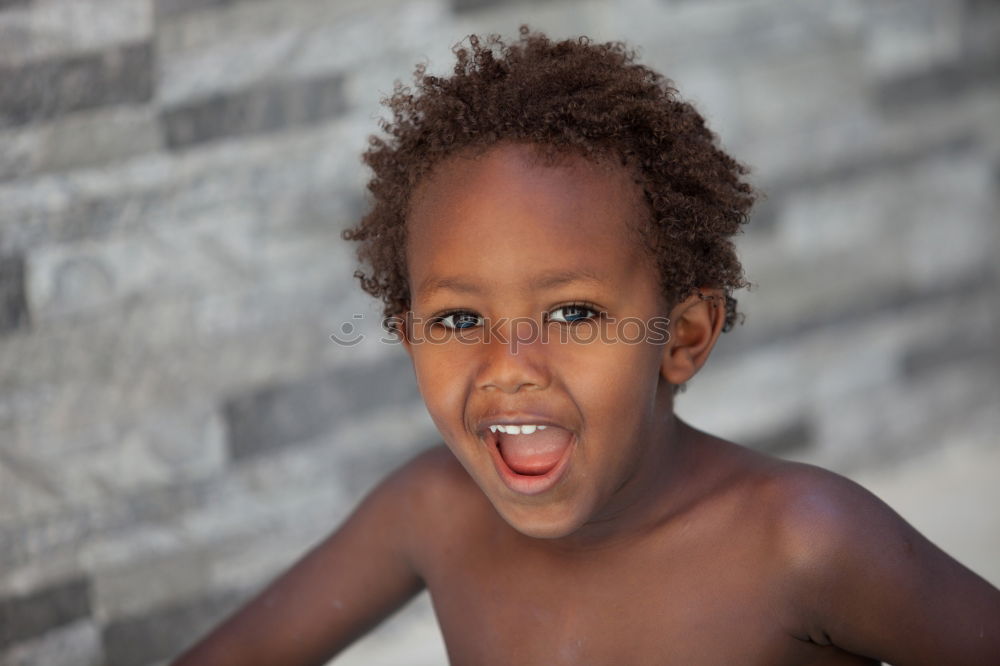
{"type": "Point", "coordinates": [532, 523]}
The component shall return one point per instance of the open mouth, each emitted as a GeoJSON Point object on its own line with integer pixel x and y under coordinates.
{"type": "Point", "coordinates": [531, 450]}
{"type": "Point", "coordinates": [529, 457]}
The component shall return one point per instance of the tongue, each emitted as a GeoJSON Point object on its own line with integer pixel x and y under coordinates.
{"type": "Point", "coordinates": [533, 454]}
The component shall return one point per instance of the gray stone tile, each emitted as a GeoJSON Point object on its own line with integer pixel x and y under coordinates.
{"type": "Point", "coordinates": [765, 214]}
{"type": "Point", "coordinates": [47, 29]}
{"type": "Point", "coordinates": [80, 139]}
{"type": "Point", "coordinates": [966, 61]}
{"type": "Point", "coordinates": [851, 248]}
{"type": "Point", "coordinates": [889, 422]}
{"type": "Point", "coordinates": [774, 193]}
{"type": "Point", "coordinates": [904, 37]}
{"type": "Point", "coordinates": [796, 436]}
{"type": "Point", "coordinates": [118, 456]}
{"type": "Point", "coordinates": [894, 300]}
{"type": "Point", "coordinates": [460, 6]}
{"type": "Point", "coordinates": [166, 631]}
{"type": "Point", "coordinates": [263, 176]}
{"type": "Point", "coordinates": [76, 644]}
{"type": "Point", "coordinates": [39, 91]}
{"type": "Point", "coordinates": [260, 195]}
{"type": "Point", "coordinates": [257, 110]}
{"type": "Point", "coordinates": [29, 547]}
{"type": "Point", "coordinates": [82, 217]}
{"type": "Point", "coordinates": [31, 615]}
{"type": "Point", "coordinates": [871, 165]}
{"type": "Point", "coordinates": [13, 305]}
{"type": "Point", "coordinates": [146, 582]}
{"type": "Point", "coordinates": [781, 380]}
{"type": "Point", "coordinates": [168, 8]}
{"type": "Point", "coordinates": [941, 83]}
{"type": "Point", "coordinates": [271, 418]}
{"type": "Point", "coordinates": [164, 352]}
{"type": "Point", "coordinates": [964, 345]}
{"type": "Point", "coordinates": [227, 253]}
{"type": "Point", "coordinates": [233, 48]}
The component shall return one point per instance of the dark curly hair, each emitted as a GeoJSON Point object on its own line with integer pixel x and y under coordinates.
{"type": "Point", "coordinates": [571, 96]}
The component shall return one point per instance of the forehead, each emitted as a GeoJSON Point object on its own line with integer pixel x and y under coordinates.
{"type": "Point", "coordinates": [509, 211]}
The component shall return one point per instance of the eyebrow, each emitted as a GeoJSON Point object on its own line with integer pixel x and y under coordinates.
{"type": "Point", "coordinates": [549, 280]}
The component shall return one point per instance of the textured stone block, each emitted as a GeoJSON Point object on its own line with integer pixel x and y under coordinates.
{"type": "Point", "coordinates": [76, 644]}
{"type": "Point", "coordinates": [217, 252]}
{"type": "Point", "coordinates": [31, 615]}
{"type": "Point", "coordinates": [81, 139]}
{"type": "Point", "coordinates": [38, 91]}
{"type": "Point", "coordinates": [804, 377]}
{"type": "Point", "coordinates": [869, 240]}
{"type": "Point", "coordinates": [111, 531]}
{"type": "Point", "coordinates": [224, 51]}
{"type": "Point", "coordinates": [953, 51]}
{"type": "Point", "coordinates": [46, 29]}
{"type": "Point", "coordinates": [269, 180]}
{"type": "Point", "coordinates": [472, 5]}
{"type": "Point", "coordinates": [907, 37]}
{"type": "Point", "coordinates": [13, 303]}
{"type": "Point", "coordinates": [893, 422]}
{"type": "Point", "coordinates": [166, 352]}
{"type": "Point", "coordinates": [258, 110]}
{"type": "Point", "coordinates": [32, 550]}
{"type": "Point", "coordinates": [275, 417]}
{"type": "Point", "coordinates": [972, 342]}
{"type": "Point", "coordinates": [941, 82]}
{"type": "Point", "coordinates": [148, 582]}
{"type": "Point", "coordinates": [115, 457]}
{"type": "Point", "coordinates": [796, 436]}
{"type": "Point", "coordinates": [165, 632]}
{"type": "Point", "coordinates": [169, 8]}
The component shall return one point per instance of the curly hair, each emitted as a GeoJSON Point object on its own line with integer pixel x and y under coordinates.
{"type": "Point", "coordinates": [571, 96]}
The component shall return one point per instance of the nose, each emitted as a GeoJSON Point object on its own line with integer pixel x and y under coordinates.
{"type": "Point", "coordinates": [513, 359]}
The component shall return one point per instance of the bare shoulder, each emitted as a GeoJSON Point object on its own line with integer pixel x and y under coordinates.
{"type": "Point", "coordinates": [820, 521]}
{"type": "Point", "coordinates": [805, 506]}
{"type": "Point", "coordinates": [431, 480]}
{"type": "Point", "coordinates": [434, 498]}
{"type": "Point", "coordinates": [858, 576]}
{"type": "Point", "coordinates": [814, 509]}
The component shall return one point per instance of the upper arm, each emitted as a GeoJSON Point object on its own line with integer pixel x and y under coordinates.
{"type": "Point", "coordinates": [869, 583]}
{"type": "Point", "coordinates": [336, 592]}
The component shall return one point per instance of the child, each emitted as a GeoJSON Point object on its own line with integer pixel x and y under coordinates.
{"type": "Point", "coordinates": [551, 237]}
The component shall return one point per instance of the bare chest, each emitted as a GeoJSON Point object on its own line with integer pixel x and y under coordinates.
{"type": "Point", "coordinates": [652, 605]}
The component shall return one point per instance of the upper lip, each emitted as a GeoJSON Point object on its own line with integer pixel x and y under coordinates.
{"type": "Point", "coordinates": [516, 419]}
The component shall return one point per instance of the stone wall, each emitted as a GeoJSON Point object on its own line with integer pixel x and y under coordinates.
{"type": "Point", "coordinates": [176, 424]}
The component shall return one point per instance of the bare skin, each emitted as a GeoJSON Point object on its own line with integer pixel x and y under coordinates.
{"type": "Point", "coordinates": [651, 542]}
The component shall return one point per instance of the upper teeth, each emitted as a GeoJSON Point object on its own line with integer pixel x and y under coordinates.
{"type": "Point", "coordinates": [517, 429]}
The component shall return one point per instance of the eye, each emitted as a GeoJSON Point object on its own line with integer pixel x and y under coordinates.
{"type": "Point", "coordinates": [458, 319]}
{"type": "Point", "coordinates": [573, 312]}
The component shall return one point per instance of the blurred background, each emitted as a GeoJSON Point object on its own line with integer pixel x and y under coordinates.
{"type": "Point", "coordinates": [176, 423]}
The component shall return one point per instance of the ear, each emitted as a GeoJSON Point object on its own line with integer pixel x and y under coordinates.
{"type": "Point", "coordinates": [695, 325]}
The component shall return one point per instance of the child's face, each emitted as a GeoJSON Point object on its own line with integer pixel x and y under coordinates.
{"type": "Point", "coordinates": [504, 238]}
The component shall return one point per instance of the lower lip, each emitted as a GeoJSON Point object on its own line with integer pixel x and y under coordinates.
{"type": "Point", "coordinates": [526, 484]}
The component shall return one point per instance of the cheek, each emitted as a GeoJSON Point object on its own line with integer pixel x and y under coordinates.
{"type": "Point", "coordinates": [441, 385]}
{"type": "Point", "coordinates": [610, 377]}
